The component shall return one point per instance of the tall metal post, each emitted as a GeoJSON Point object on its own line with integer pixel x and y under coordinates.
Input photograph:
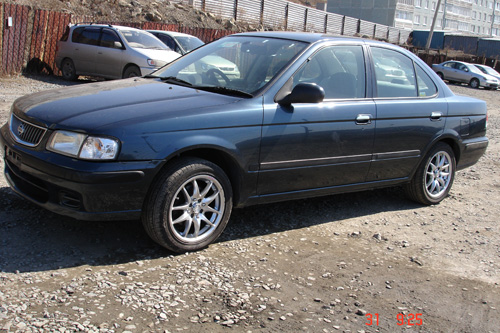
{"type": "Point", "coordinates": [431, 32]}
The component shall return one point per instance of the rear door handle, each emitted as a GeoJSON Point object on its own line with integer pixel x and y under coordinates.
{"type": "Point", "coordinates": [364, 119]}
{"type": "Point", "coordinates": [436, 115]}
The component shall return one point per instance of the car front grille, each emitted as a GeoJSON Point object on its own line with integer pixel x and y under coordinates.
{"type": "Point", "coordinates": [26, 133]}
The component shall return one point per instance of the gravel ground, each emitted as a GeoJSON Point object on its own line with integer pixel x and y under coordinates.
{"type": "Point", "coordinates": [330, 264]}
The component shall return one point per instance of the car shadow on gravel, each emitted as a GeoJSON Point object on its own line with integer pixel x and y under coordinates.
{"type": "Point", "coordinates": [54, 79]}
{"type": "Point", "coordinates": [33, 239]}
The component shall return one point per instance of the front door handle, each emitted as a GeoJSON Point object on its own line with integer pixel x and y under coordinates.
{"type": "Point", "coordinates": [436, 115]}
{"type": "Point", "coordinates": [364, 119]}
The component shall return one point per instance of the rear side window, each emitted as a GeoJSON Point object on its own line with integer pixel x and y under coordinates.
{"type": "Point", "coordinates": [426, 86]}
{"type": "Point", "coordinates": [394, 73]}
{"type": "Point", "coordinates": [88, 36]}
{"type": "Point", "coordinates": [65, 35]}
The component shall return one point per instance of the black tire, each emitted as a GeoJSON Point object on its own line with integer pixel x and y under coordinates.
{"type": "Point", "coordinates": [434, 177]}
{"type": "Point", "coordinates": [441, 76]}
{"type": "Point", "coordinates": [474, 83]}
{"type": "Point", "coordinates": [131, 71]}
{"type": "Point", "coordinates": [201, 214]}
{"type": "Point", "coordinates": [68, 70]}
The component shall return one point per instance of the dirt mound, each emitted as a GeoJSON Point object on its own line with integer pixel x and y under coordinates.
{"type": "Point", "coordinates": [136, 11]}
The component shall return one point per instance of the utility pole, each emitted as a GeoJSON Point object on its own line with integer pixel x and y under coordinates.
{"type": "Point", "coordinates": [431, 32]}
{"type": "Point", "coordinates": [493, 17]}
{"type": "Point", "coordinates": [444, 15]}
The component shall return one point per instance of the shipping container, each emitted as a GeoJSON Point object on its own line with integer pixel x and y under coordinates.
{"type": "Point", "coordinates": [419, 39]}
{"type": "Point", "coordinates": [467, 44]}
{"type": "Point", "coordinates": [489, 48]}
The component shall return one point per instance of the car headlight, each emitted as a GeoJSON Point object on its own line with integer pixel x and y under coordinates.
{"type": "Point", "coordinates": [156, 63]}
{"type": "Point", "coordinates": [83, 146]}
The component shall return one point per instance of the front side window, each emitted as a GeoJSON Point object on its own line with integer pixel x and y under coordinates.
{"type": "Point", "coordinates": [340, 70]}
{"type": "Point", "coordinates": [169, 41]}
{"type": "Point", "coordinates": [108, 38]}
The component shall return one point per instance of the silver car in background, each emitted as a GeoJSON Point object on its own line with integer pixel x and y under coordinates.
{"type": "Point", "coordinates": [110, 51]}
{"type": "Point", "coordinates": [463, 72]}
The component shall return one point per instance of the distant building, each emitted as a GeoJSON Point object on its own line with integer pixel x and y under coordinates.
{"type": "Point", "coordinates": [476, 17]}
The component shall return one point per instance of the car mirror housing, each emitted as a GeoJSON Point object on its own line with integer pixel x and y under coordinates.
{"type": "Point", "coordinates": [118, 45]}
{"type": "Point", "coordinates": [304, 93]}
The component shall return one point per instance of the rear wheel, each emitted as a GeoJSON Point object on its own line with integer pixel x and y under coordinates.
{"type": "Point", "coordinates": [441, 76]}
{"type": "Point", "coordinates": [68, 70]}
{"type": "Point", "coordinates": [434, 177]}
{"type": "Point", "coordinates": [474, 83]}
{"type": "Point", "coordinates": [189, 205]}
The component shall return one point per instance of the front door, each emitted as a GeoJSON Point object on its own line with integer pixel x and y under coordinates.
{"type": "Point", "coordinates": [320, 145]}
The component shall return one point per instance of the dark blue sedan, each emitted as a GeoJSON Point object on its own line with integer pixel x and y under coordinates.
{"type": "Point", "coordinates": [288, 116]}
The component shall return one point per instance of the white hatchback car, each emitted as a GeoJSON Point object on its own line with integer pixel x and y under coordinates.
{"type": "Point", "coordinates": [110, 51]}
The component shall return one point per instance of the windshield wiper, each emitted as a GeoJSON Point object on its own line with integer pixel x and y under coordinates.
{"type": "Point", "coordinates": [224, 90]}
{"type": "Point", "coordinates": [174, 80]}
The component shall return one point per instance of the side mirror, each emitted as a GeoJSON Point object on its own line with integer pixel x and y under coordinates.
{"type": "Point", "coordinates": [304, 93]}
{"type": "Point", "coordinates": [118, 45]}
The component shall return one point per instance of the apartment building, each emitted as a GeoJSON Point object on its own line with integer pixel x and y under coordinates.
{"type": "Point", "coordinates": [468, 17]}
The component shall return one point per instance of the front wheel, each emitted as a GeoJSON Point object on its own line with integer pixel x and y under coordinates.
{"type": "Point", "coordinates": [131, 71]}
{"type": "Point", "coordinates": [434, 177]}
{"type": "Point", "coordinates": [189, 206]}
{"type": "Point", "coordinates": [474, 83]}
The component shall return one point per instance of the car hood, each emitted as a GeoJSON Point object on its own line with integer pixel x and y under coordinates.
{"type": "Point", "coordinates": [164, 55]}
{"type": "Point", "coordinates": [120, 104]}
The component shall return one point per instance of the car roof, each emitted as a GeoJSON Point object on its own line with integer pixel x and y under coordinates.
{"type": "Point", "coordinates": [100, 25]}
{"type": "Point", "coordinates": [307, 37]}
{"type": "Point", "coordinates": [171, 33]}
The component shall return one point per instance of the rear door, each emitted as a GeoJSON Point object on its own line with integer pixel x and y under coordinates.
{"type": "Point", "coordinates": [85, 42]}
{"type": "Point", "coordinates": [409, 116]}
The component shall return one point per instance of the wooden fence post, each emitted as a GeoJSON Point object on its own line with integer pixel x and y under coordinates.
{"type": "Point", "coordinates": [306, 12]}
{"type": "Point", "coordinates": [286, 16]}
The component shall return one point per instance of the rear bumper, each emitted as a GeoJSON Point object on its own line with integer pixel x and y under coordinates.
{"type": "Point", "coordinates": [472, 151]}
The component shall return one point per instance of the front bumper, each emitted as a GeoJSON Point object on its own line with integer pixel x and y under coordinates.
{"type": "Point", "coordinates": [79, 189]}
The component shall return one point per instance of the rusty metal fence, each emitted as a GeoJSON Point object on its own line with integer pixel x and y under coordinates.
{"type": "Point", "coordinates": [28, 37]}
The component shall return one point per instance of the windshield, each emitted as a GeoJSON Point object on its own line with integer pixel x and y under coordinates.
{"type": "Point", "coordinates": [143, 40]}
{"type": "Point", "coordinates": [244, 64]}
{"type": "Point", "coordinates": [188, 43]}
{"type": "Point", "coordinates": [490, 70]}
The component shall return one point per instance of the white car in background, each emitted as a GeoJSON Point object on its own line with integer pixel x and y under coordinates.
{"type": "Point", "coordinates": [110, 51]}
{"type": "Point", "coordinates": [182, 43]}
{"type": "Point", "coordinates": [177, 41]}
{"type": "Point", "coordinates": [488, 70]}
